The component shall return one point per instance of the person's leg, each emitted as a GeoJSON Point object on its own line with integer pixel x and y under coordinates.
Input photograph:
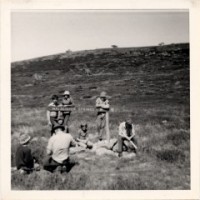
{"type": "Point", "coordinates": [102, 126]}
{"type": "Point", "coordinates": [53, 122]}
{"type": "Point", "coordinates": [136, 144]}
{"type": "Point", "coordinates": [98, 124]}
{"type": "Point", "coordinates": [67, 165]}
{"type": "Point", "coordinates": [66, 122]}
{"type": "Point", "coordinates": [50, 164]}
{"type": "Point", "coordinates": [82, 144]}
{"type": "Point", "coordinates": [120, 144]}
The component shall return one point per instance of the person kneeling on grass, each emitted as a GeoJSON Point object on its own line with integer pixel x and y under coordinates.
{"type": "Point", "coordinates": [24, 158]}
{"type": "Point", "coordinates": [58, 150]}
{"type": "Point", "coordinates": [126, 136]}
{"type": "Point", "coordinates": [82, 139]}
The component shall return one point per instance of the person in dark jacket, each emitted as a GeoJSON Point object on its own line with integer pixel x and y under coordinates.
{"type": "Point", "coordinates": [24, 159]}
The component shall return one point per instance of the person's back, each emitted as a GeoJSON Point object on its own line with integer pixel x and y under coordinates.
{"type": "Point", "coordinates": [24, 157]}
{"type": "Point", "coordinates": [59, 144]}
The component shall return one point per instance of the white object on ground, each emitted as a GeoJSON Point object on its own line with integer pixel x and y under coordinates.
{"type": "Point", "coordinates": [128, 155]}
{"type": "Point", "coordinates": [103, 151]}
{"type": "Point", "coordinates": [74, 150]}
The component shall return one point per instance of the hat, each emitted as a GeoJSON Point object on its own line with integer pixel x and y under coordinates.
{"type": "Point", "coordinates": [54, 97]}
{"type": "Point", "coordinates": [58, 126]}
{"type": "Point", "coordinates": [103, 94]}
{"type": "Point", "coordinates": [24, 138]}
{"type": "Point", "coordinates": [83, 124]}
{"type": "Point", "coordinates": [66, 93]}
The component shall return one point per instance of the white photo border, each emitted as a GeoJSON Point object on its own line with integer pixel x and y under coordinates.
{"type": "Point", "coordinates": [8, 6]}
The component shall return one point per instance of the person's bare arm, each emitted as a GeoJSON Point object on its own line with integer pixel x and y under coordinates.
{"type": "Point", "coordinates": [73, 143]}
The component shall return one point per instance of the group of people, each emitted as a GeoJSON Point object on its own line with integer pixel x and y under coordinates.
{"type": "Point", "coordinates": [61, 140]}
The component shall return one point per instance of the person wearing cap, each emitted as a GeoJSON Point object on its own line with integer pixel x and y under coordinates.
{"type": "Point", "coordinates": [53, 116]}
{"type": "Point", "coordinates": [102, 106]}
{"type": "Point", "coordinates": [58, 150]}
{"type": "Point", "coordinates": [23, 157]}
{"type": "Point", "coordinates": [66, 101]}
{"type": "Point", "coordinates": [82, 139]}
{"type": "Point", "coordinates": [126, 136]}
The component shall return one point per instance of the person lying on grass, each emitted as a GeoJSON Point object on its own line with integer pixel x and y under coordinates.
{"type": "Point", "coordinates": [126, 136]}
{"type": "Point", "coordinates": [58, 150]}
{"type": "Point", "coordinates": [82, 139]}
{"type": "Point", "coordinates": [24, 158]}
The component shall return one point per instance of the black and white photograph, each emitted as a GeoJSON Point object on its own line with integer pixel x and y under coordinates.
{"type": "Point", "coordinates": [100, 100]}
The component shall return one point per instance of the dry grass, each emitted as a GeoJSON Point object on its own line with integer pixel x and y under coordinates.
{"type": "Point", "coordinates": [162, 162]}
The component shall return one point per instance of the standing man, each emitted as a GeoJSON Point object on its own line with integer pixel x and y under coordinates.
{"type": "Point", "coordinates": [102, 106]}
{"type": "Point", "coordinates": [53, 115]}
{"type": "Point", "coordinates": [67, 101]}
{"type": "Point", "coordinates": [126, 136]}
{"type": "Point", "coordinates": [58, 150]}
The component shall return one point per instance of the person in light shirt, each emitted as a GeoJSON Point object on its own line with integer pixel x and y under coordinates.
{"type": "Point", "coordinates": [126, 136]}
{"type": "Point", "coordinates": [58, 150]}
{"type": "Point", "coordinates": [102, 106]}
{"type": "Point", "coordinates": [66, 101]}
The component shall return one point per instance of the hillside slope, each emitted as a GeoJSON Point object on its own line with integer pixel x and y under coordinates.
{"type": "Point", "coordinates": [131, 74]}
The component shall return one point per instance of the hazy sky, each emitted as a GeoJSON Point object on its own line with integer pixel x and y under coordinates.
{"type": "Point", "coordinates": [35, 34]}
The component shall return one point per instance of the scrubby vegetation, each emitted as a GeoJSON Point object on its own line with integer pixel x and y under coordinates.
{"type": "Point", "coordinates": [151, 82]}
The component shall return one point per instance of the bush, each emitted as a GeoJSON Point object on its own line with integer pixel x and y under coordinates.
{"type": "Point", "coordinates": [170, 156]}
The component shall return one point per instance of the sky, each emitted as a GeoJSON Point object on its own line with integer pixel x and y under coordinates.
{"type": "Point", "coordinates": [36, 34]}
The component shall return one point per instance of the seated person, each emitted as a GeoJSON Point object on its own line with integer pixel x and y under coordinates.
{"type": "Point", "coordinates": [126, 137]}
{"type": "Point", "coordinates": [24, 158]}
{"type": "Point", "coordinates": [82, 139]}
{"type": "Point", "coordinates": [58, 150]}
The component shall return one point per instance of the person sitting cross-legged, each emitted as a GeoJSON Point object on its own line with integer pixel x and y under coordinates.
{"type": "Point", "coordinates": [126, 137]}
{"type": "Point", "coordinates": [82, 139]}
{"type": "Point", "coordinates": [23, 157]}
{"type": "Point", "coordinates": [58, 150]}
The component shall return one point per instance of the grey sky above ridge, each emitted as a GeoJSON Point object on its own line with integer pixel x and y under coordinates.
{"type": "Point", "coordinates": [36, 34]}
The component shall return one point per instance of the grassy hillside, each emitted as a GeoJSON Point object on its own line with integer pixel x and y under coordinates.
{"type": "Point", "coordinates": [151, 82]}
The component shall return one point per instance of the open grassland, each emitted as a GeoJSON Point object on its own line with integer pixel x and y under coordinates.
{"type": "Point", "coordinates": [152, 83]}
{"type": "Point", "coordinates": [163, 160]}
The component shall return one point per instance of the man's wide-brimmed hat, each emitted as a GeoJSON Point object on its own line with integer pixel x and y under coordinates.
{"type": "Point", "coordinates": [24, 138]}
{"type": "Point", "coordinates": [66, 93]}
{"type": "Point", "coordinates": [103, 94]}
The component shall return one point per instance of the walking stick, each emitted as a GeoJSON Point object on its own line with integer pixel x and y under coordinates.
{"type": "Point", "coordinates": [107, 127]}
{"type": "Point", "coordinates": [133, 144]}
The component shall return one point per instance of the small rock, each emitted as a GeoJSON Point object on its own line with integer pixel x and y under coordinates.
{"type": "Point", "coordinates": [74, 150]}
{"type": "Point", "coordinates": [128, 155]}
{"type": "Point", "coordinates": [35, 139]}
{"type": "Point", "coordinates": [44, 139]}
{"type": "Point", "coordinates": [164, 121]}
{"type": "Point", "coordinates": [103, 151]}
{"type": "Point", "coordinates": [177, 83]}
